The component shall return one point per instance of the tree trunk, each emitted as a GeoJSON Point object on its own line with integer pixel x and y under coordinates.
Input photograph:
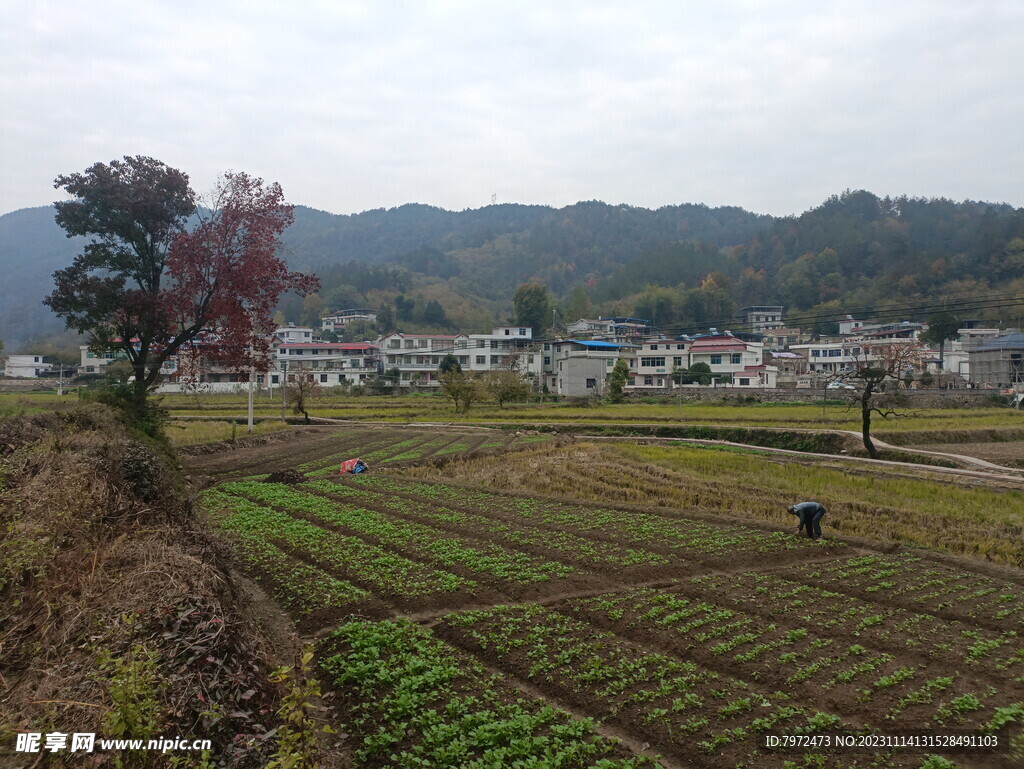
{"type": "Point", "coordinates": [865, 424]}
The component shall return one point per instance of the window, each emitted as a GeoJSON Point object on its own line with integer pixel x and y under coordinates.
{"type": "Point", "coordinates": [744, 382]}
{"type": "Point", "coordinates": [274, 378]}
{"type": "Point", "coordinates": [547, 359]}
{"type": "Point", "coordinates": [481, 360]}
{"type": "Point", "coordinates": [522, 332]}
{"type": "Point", "coordinates": [815, 353]}
{"type": "Point", "coordinates": [316, 352]}
{"type": "Point", "coordinates": [508, 332]}
{"type": "Point", "coordinates": [716, 360]}
{"type": "Point", "coordinates": [323, 378]}
{"type": "Point", "coordinates": [648, 380]}
{"type": "Point", "coordinates": [354, 362]}
{"type": "Point", "coordinates": [296, 352]}
{"type": "Point", "coordinates": [735, 358]}
{"type": "Point", "coordinates": [677, 361]}
{"type": "Point", "coordinates": [835, 353]}
{"type": "Point", "coordinates": [657, 362]}
{"type": "Point", "coordinates": [495, 360]}
{"type": "Point", "coordinates": [654, 347]}
{"type": "Point", "coordinates": [591, 384]}
{"type": "Point", "coordinates": [609, 362]}
{"type": "Point", "coordinates": [680, 346]}
{"type": "Point", "coordinates": [421, 343]}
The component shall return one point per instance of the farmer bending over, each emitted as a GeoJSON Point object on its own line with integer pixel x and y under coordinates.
{"type": "Point", "coordinates": [810, 515]}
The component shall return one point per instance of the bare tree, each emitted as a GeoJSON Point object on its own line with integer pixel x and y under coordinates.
{"type": "Point", "coordinates": [877, 366]}
{"type": "Point", "coordinates": [301, 391]}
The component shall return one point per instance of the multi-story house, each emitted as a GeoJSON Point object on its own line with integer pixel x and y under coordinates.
{"type": "Point", "coordinates": [328, 363]}
{"type": "Point", "coordinates": [27, 366]}
{"type": "Point", "coordinates": [338, 320]}
{"type": "Point", "coordinates": [417, 356]}
{"type": "Point", "coordinates": [581, 366]}
{"type": "Point", "coordinates": [733, 361]}
{"type": "Point", "coordinates": [504, 347]}
{"type": "Point", "coordinates": [760, 318]}
{"type": "Point", "coordinates": [652, 362]}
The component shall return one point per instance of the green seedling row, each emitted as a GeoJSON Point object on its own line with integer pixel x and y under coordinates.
{"type": "Point", "coordinates": [674, 701]}
{"type": "Point", "coordinates": [409, 700]}
{"type": "Point", "coordinates": [596, 553]}
{"type": "Point", "coordinates": [444, 550]}
{"type": "Point", "coordinates": [300, 587]}
{"type": "Point", "coordinates": [381, 571]}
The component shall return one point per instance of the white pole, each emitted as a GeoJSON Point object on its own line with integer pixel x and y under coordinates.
{"type": "Point", "coordinates": [252, 384]}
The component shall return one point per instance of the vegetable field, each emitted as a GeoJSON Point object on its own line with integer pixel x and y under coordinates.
{"type": "Point", "coordinates": [467, 627]}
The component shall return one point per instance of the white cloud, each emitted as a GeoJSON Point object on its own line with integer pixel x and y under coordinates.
{"type": "Point", "coordinates": [358, 105]}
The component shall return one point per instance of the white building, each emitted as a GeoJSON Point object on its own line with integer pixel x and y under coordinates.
{"type": "Point", "coordinates": [341, 318]}
{"type": "Point", "coordinates": [581, 366]}
{"type": "Point", "coordinates": [329, 364]}
{"type": "Point", "coordinates": [759, 318]}
{"type": "Point", "coordinates": [652, 362]}
{"type": "Point", "coordinates": [417, 356]}
{"type": "Point", "coordinates": [733, 361]}
{"type": "Point", "coordinates": [26, 366]}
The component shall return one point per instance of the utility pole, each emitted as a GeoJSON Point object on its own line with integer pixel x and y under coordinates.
{"type": "Point", "coordinates": [284, 385]}
{"type": "Point", "coordinates": [252, 384]}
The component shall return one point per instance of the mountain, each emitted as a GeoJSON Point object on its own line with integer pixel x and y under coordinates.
{"type": "Point", "coordinates": [683, 266]}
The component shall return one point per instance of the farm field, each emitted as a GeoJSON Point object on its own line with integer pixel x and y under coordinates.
{"type": "Point", "coordinates": [432, 407]}
{"type": "Point", "coordinates": [319, 450]}
{"type": "Point", "coordinates": [462, 626]}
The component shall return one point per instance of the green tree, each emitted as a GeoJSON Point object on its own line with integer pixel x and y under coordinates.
{"type": "Point", "coordinates": [617, 380]}
{"type": "Point", "coordinates": [506, 385]}
{"type": "Point", "coordinates": [434, 315]}
{"type": "Point", "coordinates": [449, 363]}
{"type": "Point", "coordinates": [942, 326]}
{"type": "Point", "coordinates": [698, 373]}
{"type": "Point", "coordinates": [463, 388]}
{"type": "Point", "coordinates": [385, 319]}
{"type": "Point", "coordinates": [532, 305]}
{"type": "Point", "coordinates": [579, 304]}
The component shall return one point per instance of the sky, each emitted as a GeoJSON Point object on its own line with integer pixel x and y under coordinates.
{"type": "Point", "coordinates": [772, 106]}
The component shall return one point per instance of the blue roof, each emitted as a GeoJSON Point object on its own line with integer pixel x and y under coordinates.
{"type": "Point", "coordinates": [596, 345]}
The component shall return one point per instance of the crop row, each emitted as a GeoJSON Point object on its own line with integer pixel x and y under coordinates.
{"type": "Point", "coordinates": [300, 587]}
{"type": "Point", "coordinates": [375, 568]}
{"type": "Point", "coordinates": [626, 526]}
{"type": "Point", "coordinates": [864, 660]}
{"type": "Point", "coordinates": [595, 553]}
{"type": "Point", "coordinates": [365, 445]}
{"type": "Point", "coordinates": [426, 541]}
{"type": "Point", "coordinates": [918, 633]}
{"type": "Point", "coordinates": [411, 701]}
{"type": "Point", "coordinates": [915, 583]}
{"type": "Point", "coordinates": [680, 706]}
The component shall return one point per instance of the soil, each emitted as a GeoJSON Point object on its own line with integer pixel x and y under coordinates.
{"type": "Point", "coordinates": [1007, 454]}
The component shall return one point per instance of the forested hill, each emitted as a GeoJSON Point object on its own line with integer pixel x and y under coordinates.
{"type": "Point", "coordinates": [682, 266]}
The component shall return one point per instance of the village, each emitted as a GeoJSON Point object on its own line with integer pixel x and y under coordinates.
{"type": "Point", "coordinates": [762, 354]}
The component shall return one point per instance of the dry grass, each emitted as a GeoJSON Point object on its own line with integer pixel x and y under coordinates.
{"type": "Point", "coordinates": [192, 433]}
{"type": "Point", "coordinates": [102, 569]}
{"type": "Point", "coordinates": [920, 511]}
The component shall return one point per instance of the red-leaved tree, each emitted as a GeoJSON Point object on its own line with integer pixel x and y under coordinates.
{"type": "Point", "coordinates": [161, 273]}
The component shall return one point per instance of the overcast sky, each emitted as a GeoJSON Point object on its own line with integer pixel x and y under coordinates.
{"type": "Point", "coordinates": [769, 105]}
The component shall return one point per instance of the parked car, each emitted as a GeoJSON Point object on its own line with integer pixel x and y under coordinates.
{"type": "Point", "coordinates": [839, 386]}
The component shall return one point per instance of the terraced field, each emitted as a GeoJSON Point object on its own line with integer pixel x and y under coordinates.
{"type": "Point", "coordinates": [464, 627]}
{"type": "Point", "coordinates": [320, 450]}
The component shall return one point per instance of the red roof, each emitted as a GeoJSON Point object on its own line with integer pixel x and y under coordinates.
{"type": "Point", "coordinates": [343, 346]}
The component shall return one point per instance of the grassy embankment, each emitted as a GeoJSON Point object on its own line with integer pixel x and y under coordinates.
{"type": "Point", "coordinates": [117, 615]}
{"type": "Point", "coordinates": [919, 510]}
